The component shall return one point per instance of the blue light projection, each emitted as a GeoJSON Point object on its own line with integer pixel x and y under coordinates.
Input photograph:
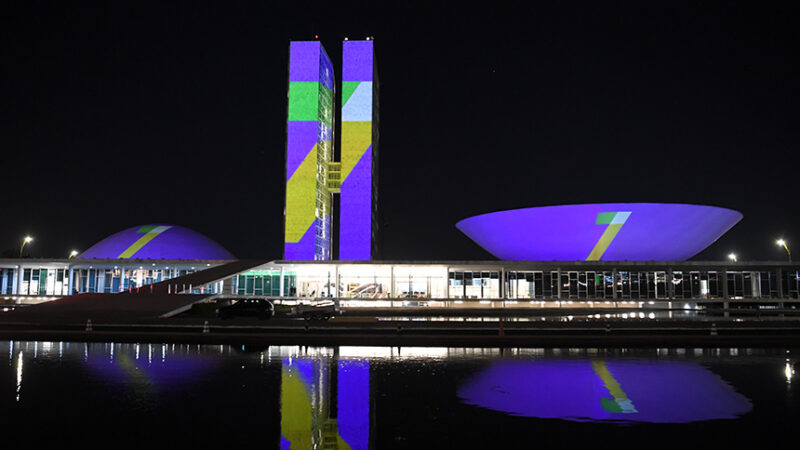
{"type": "Point", "coordinates": [605, 390]}
{"type": "Point", "coordinates": [358, 151]}
{"type": "Point", "coordinates": [603, 231]}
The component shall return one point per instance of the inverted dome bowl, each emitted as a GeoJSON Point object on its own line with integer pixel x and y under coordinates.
{"type": "Point", "coordinates": [601, 231]}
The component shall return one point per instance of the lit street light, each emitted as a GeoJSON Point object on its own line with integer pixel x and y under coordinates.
{"type": "Point", "coordinates": [732, 257]}
{"type": "Point", "coordinates": [783, 244]}
{"type": "Point", "coordinates": [73, 253]}
{"type": "Point", "coordinates": [24, 241]}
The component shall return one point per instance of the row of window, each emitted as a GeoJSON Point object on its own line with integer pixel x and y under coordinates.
{"type": "Point", "coordinates": [111, 280]}
{"type": "Point", "coordinates": [44, 282]}
{"type": "Point", "coordinates": [265, 283]}
{"type": "Point", "coordinates": [531, 285]}
{"type": "Point", "coordinates": [627, 285]}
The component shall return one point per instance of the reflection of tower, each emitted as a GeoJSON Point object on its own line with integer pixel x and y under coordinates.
{"type": "Point", "coordinates": [312, 177]}
{"type": "Point", "coordinates": [324, 405]}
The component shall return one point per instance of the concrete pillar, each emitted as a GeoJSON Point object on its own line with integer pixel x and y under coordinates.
{"type": "Point", "coordinates": [122, 278]}
{"type": "Point", "coordinates": [99, 280]}
{"type": "Point", "coordinates": [19, 281]}
{"type": "Point", "coordinates": [614, 283]}
{"type": "Point", "coordinates": [779, 281]}
{"type": "Point", "coordinates": [4, 280]}
{"type": "Point", "coordinates": [328, 284]}
{"type": "Point", "coordinates": [447, 282]}
{"type": "Point", "coordinates": [724, 276]}
{"type": "Point", "coordinates": [502, 282]}
{"type": "Point", "coordinates": [391, 287]}
{"type": "Point", "coordinates": [670, 287]}
{"type": "Point", "coordinates": [558, 283]}
{"type": "Point", "coordinates": [428, 292]}
{"type": "Point", "coordinates": [71, 280]}
{"type": "Point", "coordinates": [336, 282]}
{"type": "Point", "coordinates": [281, 284]}
{"type": "Point", "coordinates": [14, 285]}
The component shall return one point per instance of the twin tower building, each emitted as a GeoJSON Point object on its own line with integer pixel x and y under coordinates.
{"type": "Point", "coordinates": [331, 193]}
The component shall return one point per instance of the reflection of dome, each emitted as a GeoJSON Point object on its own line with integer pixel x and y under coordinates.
{"type": "Point", "coordinates": [157, 241]}
{"type": "Point", "coordinates": [605, 390]}
{"type": "Point", "coordinates": [603, 231]}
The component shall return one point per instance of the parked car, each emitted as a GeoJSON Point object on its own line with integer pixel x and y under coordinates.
{"type": "Point", "coordinates": [247, 307]}
{"type": "Point", "coordinates": [322, 310]}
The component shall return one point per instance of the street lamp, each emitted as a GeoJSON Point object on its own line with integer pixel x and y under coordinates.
{"type": "Point", "coordinates": [783, 244]}
{"type": "Point", "coordinates": [732, 257]}
{"type": "Point", "coordinates": [73, 253]}
{"type": "Point", "coordinates": [24, 241]}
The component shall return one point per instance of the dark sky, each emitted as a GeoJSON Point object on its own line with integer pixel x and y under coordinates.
{"type": "Point", "coordinates": [114, 115]}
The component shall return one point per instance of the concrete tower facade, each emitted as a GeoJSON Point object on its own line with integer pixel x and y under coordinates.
{"type": "Point", "coordinates": [312, 177]}
{"type": "Point", "coordinates": [358, 221]}
{"type": "Point", "coordinates": [309, 150]}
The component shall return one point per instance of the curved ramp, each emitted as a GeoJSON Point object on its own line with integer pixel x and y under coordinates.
{"type": "Point", "coordinates": [162, 299]}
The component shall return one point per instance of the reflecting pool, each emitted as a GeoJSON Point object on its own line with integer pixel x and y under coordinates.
{"type": "Point", "coordinates": [130, 395]}
{"type": "Point", "coordinates": [641, 390]}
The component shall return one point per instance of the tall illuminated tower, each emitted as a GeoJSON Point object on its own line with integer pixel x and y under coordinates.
{"type": "Point", "coordinates": [358, 222]}
{"type": "Point", "coordinates": [309, 150]}
{"type": "Point", "coordinates": [312, 177]}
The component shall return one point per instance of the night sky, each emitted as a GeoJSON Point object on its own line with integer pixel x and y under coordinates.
{"type": "Point", "coordinates": [115, 115]}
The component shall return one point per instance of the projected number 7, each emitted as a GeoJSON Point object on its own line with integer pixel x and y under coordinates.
{"type": "Point", "coordinates": [614, 220]}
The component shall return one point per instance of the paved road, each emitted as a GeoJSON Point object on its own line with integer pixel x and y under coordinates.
{"type": "Point", "coordinates": [372, 331]}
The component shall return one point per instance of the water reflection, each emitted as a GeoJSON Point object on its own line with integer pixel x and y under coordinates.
{"type": "Point", "coordinates": [379, 397]}
{"type": "Point", "coordinates": [324, 403]}
{"type": "Point", "coordinates": [127, 366]}
{"type": "Point", "coordinates": [19, 374]}
{"type": "Point", "coordinates": [605, 390]}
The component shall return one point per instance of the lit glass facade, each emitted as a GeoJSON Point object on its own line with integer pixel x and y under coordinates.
{"type": "Point", "coordinates": [265, 282]}
{"type": "Point", "coordinates": [8, 280]}
{"type": "Point", "coordinates": [500, 281]}
{"type": "Point", "coordinates": [56, 278]}
{"type": "Point", "coordinates": [44, 282]}
{"type": "Point", "coordinates": [118, 278]}
{"type": "Point", "coordinates": [503, 281]}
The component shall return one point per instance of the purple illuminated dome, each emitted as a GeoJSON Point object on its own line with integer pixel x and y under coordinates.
{"type": "Point", "coordinates": [601, 231]}
{"type": "Point", "coordinates": [157, 241]}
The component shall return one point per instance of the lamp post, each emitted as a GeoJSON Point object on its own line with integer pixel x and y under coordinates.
{"type": "Point", "coordinates": [73, 253]}
{"type": "Point", "coordinates": [24, 241]}
{"type": "Point", "coordinates": [783, 244]}
{"type": "Point", "coordinates": [732, 257]}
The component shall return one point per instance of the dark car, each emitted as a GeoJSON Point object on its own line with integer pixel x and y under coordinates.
{"type": "Point", "coordinates": [248, 307]}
